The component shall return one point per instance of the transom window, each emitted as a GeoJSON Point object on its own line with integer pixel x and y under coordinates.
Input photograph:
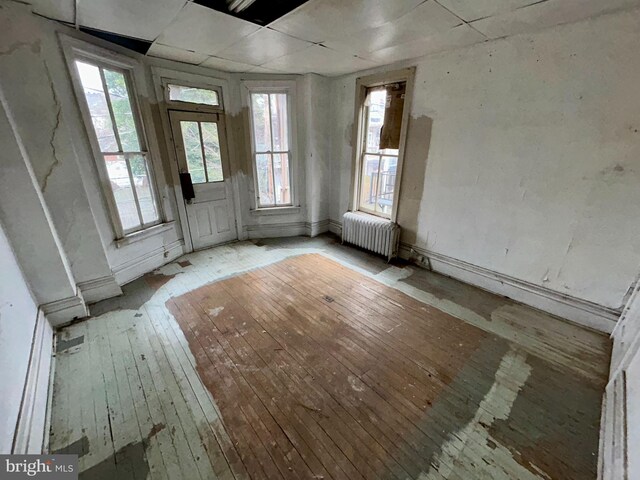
{"type": "Point", "coordinates": [271, 148]}
{"type": "Point", "coordinates": [116, 123]}
{"type": "Point", "coordinates": [187, 94]}
{"type": "Point", "coordinates": [382, 110]}
{"type": "Point", "coordinates": [202, 149]}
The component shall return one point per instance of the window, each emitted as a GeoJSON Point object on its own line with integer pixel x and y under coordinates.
{"type": "Point", "coordinates": [116, 123]}
{"type": "Point", "coordinates": [202, 149]}
{"type": "Point", "coordinates": [378, 156]}
{"type": "Point", "coordinates": [183, 93]}
{"type": "Point", "coordinates": [271, 147]}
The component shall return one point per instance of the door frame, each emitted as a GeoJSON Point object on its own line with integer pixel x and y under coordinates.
{"type": "Point", "coordinates": [215, 81]}
{"type": "Point", "coordinates": [175, 116]}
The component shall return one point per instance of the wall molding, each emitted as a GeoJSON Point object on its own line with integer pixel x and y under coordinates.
{"type": "Point", "coordinates": [99, 289]}
{"type": "Point", "coordinates": [31, 430]}
{"type": "Point", "coordinates": [65, 310]}
{"type": "Point", "coordinates": [582, 312]}
{"type": "Point", "coordinates": [316, 228]}
{"type": "Point", "coordinates": [335, 227]}
{"type": "Point", "coordinates": [148, 262]}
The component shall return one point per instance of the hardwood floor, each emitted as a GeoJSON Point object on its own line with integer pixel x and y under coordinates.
{"type": "Point", "coordinates": [306, 359]}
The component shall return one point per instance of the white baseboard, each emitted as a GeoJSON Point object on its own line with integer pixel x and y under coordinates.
{"type": "Point", "coordinates": [99, 289]}
{"type": "Point", "coordinates": [335, 227]}
{"type": "Point", "coordinates": [31, 432]}
{"type": "Point", "coordinates": [274, 230]}
{"type": "Point", "coordinates": [316, 228]}
{"type": "Point", "coordinates": [64, 311]}
{"type": "Point", "coordinates": [577, 310]}
{"type": "Point", "coordinates": [148, 262]}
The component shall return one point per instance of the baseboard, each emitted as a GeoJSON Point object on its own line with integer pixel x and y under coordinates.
{"type": "Point", "coordinates": [31, 434]}
{"type": "Point", "coordinates": [148, 262]}
{"type": "Point", "coordinates": [63, 311]}
{"type": "Point", "coordinates": [316, 228]}
{"type": "Point", "coordinates": [335, 227]}
{"type": "Point", "coordinates": [99, 289]}
{"type": "Point", "coordinates": [582, 312]}
{"type": "Point", "coordinates": [275, 230]}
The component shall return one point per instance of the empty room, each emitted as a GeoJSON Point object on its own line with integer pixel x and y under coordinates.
{"type": "Point", "coordinates": [320, 239]}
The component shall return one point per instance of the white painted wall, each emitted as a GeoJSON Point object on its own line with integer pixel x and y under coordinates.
{"type": "Point", "coordinates": [532, 169]}
{"type": "Point", "coordinates": [18, 313]}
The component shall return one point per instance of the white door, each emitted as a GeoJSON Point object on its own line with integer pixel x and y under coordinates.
{"type": "Point", "coordinates": [201, 150]}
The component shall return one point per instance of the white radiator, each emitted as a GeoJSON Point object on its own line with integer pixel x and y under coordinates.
{"type": "Point", "coordinates": [376, 234]}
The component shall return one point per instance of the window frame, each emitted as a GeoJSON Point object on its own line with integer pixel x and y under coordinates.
{"type": "Point", "coordinates": [77, 50]}
{"type": "Point", "coordinates": [360, 135]}
{"type": "Point", "coordinates": [189, 106]}
{"type": "Point", "coordinates": [283, 87]}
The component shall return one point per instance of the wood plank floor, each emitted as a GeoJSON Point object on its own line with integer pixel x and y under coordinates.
{"type": "Point", "coordinates": [312, 367]}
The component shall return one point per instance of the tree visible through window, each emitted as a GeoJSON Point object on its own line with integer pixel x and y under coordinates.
{"type": "Point", "coordinates": [271, 147]}
{"type": "Point", "coordinates": [113, 117]}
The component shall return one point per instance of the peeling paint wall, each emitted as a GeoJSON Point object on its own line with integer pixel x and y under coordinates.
{"type": "Point", "coordinates": [529, 148]}
{"type": "Point", "coordinates": [35, 83]}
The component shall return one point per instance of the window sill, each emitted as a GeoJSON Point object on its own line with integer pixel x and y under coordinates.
{"type": "Point", "coordinates": [276, 211]}
{"type": "Point", "coordinates": [142, 234]}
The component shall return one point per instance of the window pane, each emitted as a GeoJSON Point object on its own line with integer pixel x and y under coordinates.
{"type": "Point", "coordinates": [142, 183]}
{"type": "Point", "coordinates": [279, 125]}
{"type": "Point", "coordinates": [212, 151]}
{"type": "Point", "coordinates": [369, 182]}
{"type": "Point", "coordinates": [193, 151]}
{"type": "Point", "coordinates": [261, 122]}
{"type": "Point", "coordinates": [386, 185]}
{"type": "Point", "coordinates": [377, 102]}
{"type": "Point", "coordinates": [264, 170]}
{"type": "Point", "coordinates": [281, 178]}
{"type": "Point", "coordinates": [182, 93]}
{"type": "Point", "coordinates": [122, 191]}
{"type": "Point", "coordinates": [122, 112]}
{"type": "Point", "coordinates": [97, 103]}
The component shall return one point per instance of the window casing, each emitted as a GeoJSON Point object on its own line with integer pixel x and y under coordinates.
{"type": "Point", "coordinates": [271, 139]}
{"type": "Point", "coordinates": [381, 118]}
{"type": "Point", "coordinates": [107, 93]}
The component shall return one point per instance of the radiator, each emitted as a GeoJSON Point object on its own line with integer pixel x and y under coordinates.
{"type": "Point", "coordinates": [372, 233]}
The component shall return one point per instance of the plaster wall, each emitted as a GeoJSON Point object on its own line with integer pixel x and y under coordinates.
{"type": "Point", "coordinates": [522, 157]}
{"type": "Point", "coordinates": [18, 313]}
{"type": "Point", "coordinates": [35, 83]}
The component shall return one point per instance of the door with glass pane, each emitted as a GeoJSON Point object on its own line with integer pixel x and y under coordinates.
{"type": "Point", "coordinates": [200, 143]}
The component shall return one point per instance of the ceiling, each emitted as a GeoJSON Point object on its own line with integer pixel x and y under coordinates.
{"type": "Point", "coordinates": [328, 37]}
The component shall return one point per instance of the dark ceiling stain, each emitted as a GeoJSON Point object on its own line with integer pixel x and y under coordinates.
{"type": "Point", "coordinates": [135, 44]}
{"type": "Point", "coordinates": [261, 12]}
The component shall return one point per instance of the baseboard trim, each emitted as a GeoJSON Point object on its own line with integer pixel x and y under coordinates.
{"type": "Point", "coordinates": [99, 289]}
{"type": "Point", "coordinates": [582, 312]}
{"type": "Point", "coordinates": [316, 228]}
{"type": "Point", "coordinates": [335, 227]}
{"type": "Point", "coordinates": [148, 262]}
{"type": "Point", "coordinates": [65, 310]}
{"type": "Point", "coordinates": [31, 431]}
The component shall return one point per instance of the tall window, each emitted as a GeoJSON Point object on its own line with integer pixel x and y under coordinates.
{"type": "Point", "coordinates": [117, 126]}
{"type": "Point", "coordinates": [271, 148]}
{"type": "Point", "coordinates": [382, 122]}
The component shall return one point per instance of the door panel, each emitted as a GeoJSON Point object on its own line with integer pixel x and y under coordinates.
{"type": "Point", "coordinates": [201, 151]}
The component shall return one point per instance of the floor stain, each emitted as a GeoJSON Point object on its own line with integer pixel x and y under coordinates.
{"type": "Point", "coordinates": [79, 447]}
{"type": "Point", "coordinates": [63, 345]}
{"type": "Point", "coordinates": [128, 463]}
